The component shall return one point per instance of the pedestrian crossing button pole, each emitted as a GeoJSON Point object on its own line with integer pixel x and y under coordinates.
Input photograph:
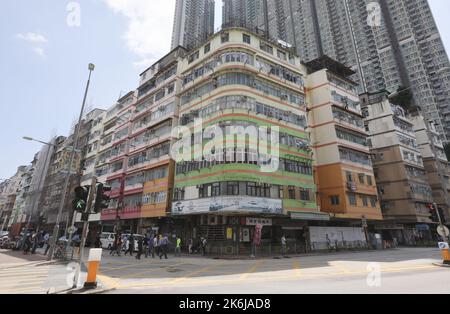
{"type": "Point", "coordinates": [95, 257]}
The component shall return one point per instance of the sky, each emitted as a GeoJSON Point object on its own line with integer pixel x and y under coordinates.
{"type": "Point", "coordinates": [47, 46]}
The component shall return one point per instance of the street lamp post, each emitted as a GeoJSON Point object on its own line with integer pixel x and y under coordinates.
{"type": "Point", "coordinates": [27, 138]}
{"type": "Point", "coordinates": [69, 168]}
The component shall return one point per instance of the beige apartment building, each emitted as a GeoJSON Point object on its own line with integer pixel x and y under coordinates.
{"type": "Point", "coordinates": [435, 163]}
{"type": "Point", "coordinates": [399, 170]}
{"type": "Point", "coordinates": [342, 162]}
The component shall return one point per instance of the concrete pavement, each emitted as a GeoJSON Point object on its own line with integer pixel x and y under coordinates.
{"type": "Point", "coordinates": [32, 274]}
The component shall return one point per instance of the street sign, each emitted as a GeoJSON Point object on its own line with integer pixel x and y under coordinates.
{"type": "Point", "coordinates": [443, 232]}
{"type": "Point", "coordinates": [443, 246]}
{"type": "Point", "coordinates": [364, 222]}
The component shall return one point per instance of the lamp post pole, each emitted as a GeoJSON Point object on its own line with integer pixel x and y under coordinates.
{"type": "Point", "coordinates": [69, 168]}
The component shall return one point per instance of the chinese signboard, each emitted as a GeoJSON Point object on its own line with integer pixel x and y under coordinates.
{"type": "Point", "coordinates": [238, 204]}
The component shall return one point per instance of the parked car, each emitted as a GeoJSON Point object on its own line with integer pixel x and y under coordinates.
{"type": "Point", "coordinates": [107, 240]}
{"type": "Point", "coordinates": [4, 234]}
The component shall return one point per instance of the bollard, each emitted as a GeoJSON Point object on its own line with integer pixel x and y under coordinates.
{"type": "Point", "coordinates": [95, 257]}
{"type": "Point", "coordinates": [445, 251]}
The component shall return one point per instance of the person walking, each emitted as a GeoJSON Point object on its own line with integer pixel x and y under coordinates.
{"type": "Point", "coordinates": [27, 244]}
{"type": "Point", "coordinates": [191, 243]}
{"type": "Point", "coordinates": [203, 243]}
{"type": "Point", "coordinates": [140, 248]}
{"type": "Point", "coordinates": [283, 245]}
{"type": "Point", "coordinates": [130, 243]}
{"type": "Point", "coordinates": [46, 242]}
{"type": "Point", "coordinates": [163, 247]}
{"type": "Point", "coordinates": [178, 247]}
{"type": "Point", "coordinates": [156, 247]}
{"type": "Point", "coordinates": [150, 246]}
{"type": "Point", "coordinates": [126, 244]}
{"type": "Point", "coordinates": [35, 238]}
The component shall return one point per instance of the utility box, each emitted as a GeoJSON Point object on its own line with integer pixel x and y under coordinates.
{"type": "Point", "coordinates": [445, 251]}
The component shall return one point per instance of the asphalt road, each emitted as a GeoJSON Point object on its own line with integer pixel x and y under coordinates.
{"type": "Point", "coordinates": [407, 270]}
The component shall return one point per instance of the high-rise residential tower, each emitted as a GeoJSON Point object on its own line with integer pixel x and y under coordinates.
{"type": "Point", "coordinates": [389, 44]}
{"type": "Point", "coordinates": [193, 22]}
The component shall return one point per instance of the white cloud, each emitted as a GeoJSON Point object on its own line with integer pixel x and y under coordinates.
{"type": "Point", "coordinates": [39, 51]}
{"type": "Point", "coordinates": [149, 30]}
{"type": "Point", "coordinates": [34, 38]}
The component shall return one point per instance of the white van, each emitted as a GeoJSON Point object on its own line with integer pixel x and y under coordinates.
{"type": "Point", "coordinates": [107, 240]}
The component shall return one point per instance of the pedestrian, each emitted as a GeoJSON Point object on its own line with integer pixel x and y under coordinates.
{"type": "Point", "coordinates": [178, 247]}
{"type": "Point", "coordinates": [46, 242]}
{"type": "Point", "coordinates": [140, 248]}
{"type": "Point", "coordinates": [203, 245]}
{"type": "Point", "coordinates": [130, 243]}
{"type": "Point", "coordinates": [191, 243]}
{"type": "Point", "coordinates": [163, 247]}
{"type": "Point", "coordinates": [119, 244]}
{"type": "Point", "coordinates": [35, 242]}
{"type": "Point", "coordinates": [98, 242]}
{"type": "Point", "coordinates": [27, 244]}
{"type": "Point", "coordinates": [150, 246]}
{"type": "Point", "coordinates": [283, 245]}
{"type": "Point", "coordinates": [156, 245]}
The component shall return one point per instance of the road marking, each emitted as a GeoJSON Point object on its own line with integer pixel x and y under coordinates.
{"type": "Point", "coordinates": [340, 266]}
{"type": "Point", "coordinates": [195, 282]}
{"type": "Point", "coordinates": [251, 270]}
{"type": "Point", "coordinates": [296, 267]}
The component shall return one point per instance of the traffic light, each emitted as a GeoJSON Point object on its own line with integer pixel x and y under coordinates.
{"type": "Point", "coordinates": [433, 213]}
{"type": "Point", "coordinates": [81, 198]}
{"type": "Point", "coordinates": [101, 199]}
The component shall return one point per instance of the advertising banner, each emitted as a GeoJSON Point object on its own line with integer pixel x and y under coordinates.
{"type": "Point", "coordinates": [224, 204]}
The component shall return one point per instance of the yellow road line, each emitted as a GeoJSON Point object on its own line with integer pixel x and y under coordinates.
{"type": "Point", "coordinates": [251, 270]}
{"type": "Point", "coordinates": [296, 267]}
{"type": "Point", "coordinates": [340, 266]}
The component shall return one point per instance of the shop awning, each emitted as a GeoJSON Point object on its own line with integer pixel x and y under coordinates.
{"type": "Point", "coordinates": [316, 216]}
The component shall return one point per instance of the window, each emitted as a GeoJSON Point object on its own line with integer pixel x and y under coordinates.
{"type": "Point", "coordinates": [215, 189]}
{"type": "Point", "coordinates": [253, 189]}
{"type": "Point", "coordinates": [369, 180]}
{"type": "Point", "coordinates": [281, 55]}
{"type": "Point", "coordinates": [171, 89]}
{"type": "Point", "coordinates": [349, 176]}
{"type": "Point", "coordinates": [373, 202]}
{"type": "Point", "coordinates": [304, 194]}
{"type": "Point", "coordinates": [266, 48]}
{"type": "Point", "coordinates": [352, 199]}
{"type": "Point", "coordinates": [246, 39]}
{"type": "Point", "coordinates": [207, 48]}
{"type": "Point", "coordinates": [361, 178]}
{"type": "Point", "coordinates": [365, 201]}
{"type": "Point", "coordinates": [179, 194]}
{"type": "Point", "coordinates": [334, 200]}
{"type": "Point", "coordinates": [291, 193]}
{"type": "Point", "coordinates": [233, 188]}
{"type": "Point", "coordinates": [193, 57]}
{"type": "Point", "coordinates": [225, 37]}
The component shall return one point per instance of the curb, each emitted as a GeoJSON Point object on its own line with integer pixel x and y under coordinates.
{"type": "Point", "coordinates": [441, 265]}
{"type": "Point", "coordinates": [90, 291]}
